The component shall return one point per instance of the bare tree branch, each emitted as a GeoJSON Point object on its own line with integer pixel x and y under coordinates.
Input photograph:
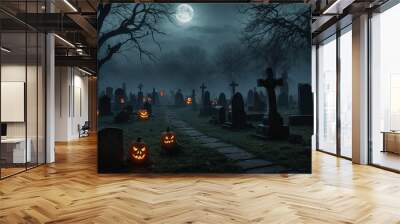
{"type": "Point", "coordinates": [135, 22]}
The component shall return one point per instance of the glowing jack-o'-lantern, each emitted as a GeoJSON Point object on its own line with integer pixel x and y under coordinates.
{"type": "Point", "coordinates": [138, 152]}
{"type": "Point", "coordinates": [143, 114]}
{"type": "Point", "coordinates": [189, 101]}
{"type": "Point", "coordinates": [168, 140]}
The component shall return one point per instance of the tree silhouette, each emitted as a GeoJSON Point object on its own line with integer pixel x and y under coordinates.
{"type": "Point", "coordinates": [273, 29]}
{"type": "Point", "coordinates": [125, 26]}
{"type": "Point", "coordinates": [271, 24]}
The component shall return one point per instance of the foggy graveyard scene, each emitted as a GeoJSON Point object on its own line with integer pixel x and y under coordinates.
{"type": "Point", "coordinates": [214, 88]}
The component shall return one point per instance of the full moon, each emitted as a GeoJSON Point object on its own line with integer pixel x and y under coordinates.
{"type": "Point", "coordinates": [184, 13]}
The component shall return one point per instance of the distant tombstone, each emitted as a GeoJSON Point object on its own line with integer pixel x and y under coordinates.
{"type": "Point", "coordinates": [203, 88]}
{"type": "Point", "coordinates": [262, 97]}
{"type": "Point", "coordinates": [140, 96]}
{"type": "Point", "coordinates": [109, 92]}
{"type": "Point", "coordinates": [305, 99]}
{"type": "Point", "coordinates": [179, 100]}
{"type": "Point", "coordinates": [222, 100]}
{"type": "Point", "coordinates": [119, 99]}
{"type": "Point", "coordinates": [110, 156]}
{"type": "Point", "coordinates": [206, 104]}
{"type": "Point", "coordinates": [233, 85]}
{"type": "Point", "coordinates": [140, 99]}
{"type": "Point", "coordinates": [238, 112]}
{"type": "Point", "coordinates": [194, 103]}
{"type": "Point", "coordinates": [258, 104]}
{"type": "Point", "coordinates": [218, 115]}
{"type": "Point", "coordinates": [283, 98]}
{"type": "Point", "coordinates": [154, 97]}
{"type": "Point", "coordinates": [250, 99]}
{"type": "Point", "coordinates": [149, 98]}
{"type": "Point", "coordinates": [105, 106]}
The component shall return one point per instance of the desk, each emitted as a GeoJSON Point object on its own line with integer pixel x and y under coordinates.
{"type": "Point", "coordinates": [391, 141]}
{"type": "Point", "coordinates": [16, 148]}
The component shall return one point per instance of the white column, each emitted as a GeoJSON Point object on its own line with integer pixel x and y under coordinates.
{"type": "Point", "coordinates": [50, 101]}
{"type": "Point", "coordinates": [360, 90]}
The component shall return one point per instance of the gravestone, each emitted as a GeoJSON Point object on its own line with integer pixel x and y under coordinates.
{"type": "Point", "coordinates": [250, 99]}
{"type": "Point", "coordinates": [305, 107]}
{"type": "Point", "coordinates": [206, 105]}
{"type": "Point", "coordinates": [275, 130]}
{"type": "Point", "coordinates": [238, 112]}
{"type": "Point", "coordinates": [119, 99]}
{"type": "Point", "coordinates": [233, 85]}
{"type": "Point", "coordinates": [305, 99]}
{"type": "Point", "coordinates": [258, 105]}
{"type": "Point", "coordinates": [110, 156]}
{"type": "Point", "coordinates": [202, 87]}
{"type": "Point", "coordinates": [194, 103]}
{"type": "Point", "coordinates": [109, 92]}
{"type": "Point", "coordinates": [105, 106]}
{"type": "Point", "coordinates": [179, 100]}
{"type": "Point", "coordinates": [222, 100]}
{"type": "Point", "coordinates": [218, 114]}
{"type": "Point", "coordinates": [154, 97]}
{"type": "Point", "coordinates": [140, 96]}
{"type": "Point", "coordinates": [283, 100]}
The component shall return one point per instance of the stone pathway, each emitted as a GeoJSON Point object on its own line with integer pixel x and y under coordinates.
{"type": "Point", "coordinates": [245, 160]}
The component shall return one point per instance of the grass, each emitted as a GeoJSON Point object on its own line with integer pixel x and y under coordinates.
{"type": "Point", "coordinates": [295, 157]}
{"type": "Point", "coordinates": [190, 158]}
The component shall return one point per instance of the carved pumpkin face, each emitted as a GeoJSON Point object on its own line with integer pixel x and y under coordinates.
{"type": "Point", "coordinates": [143, 114]}
{"type": "Point", "coordinates": [189, 101]}
{"type": "Point", "coordinates": [168, 140]}
{"type": "Point", "coordinates": [138, 151]}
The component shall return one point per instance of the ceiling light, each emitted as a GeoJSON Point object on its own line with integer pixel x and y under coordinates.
{"type": "Point", "coordinates": [65, 41]}
{"type": "Point", "coordinates": [329, 9]}
{"type": "Point", "coordinates": [337, 7]}
{"type": "Point", "coordinates": [5, 50]}
{"type": "Point", "coordinates": [84, 71]}
{"type": "Point", "coordinates": [70, 5]}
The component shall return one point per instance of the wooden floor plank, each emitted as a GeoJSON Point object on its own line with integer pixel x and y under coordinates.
{"type": "Point", "coordinates": [71, 191]}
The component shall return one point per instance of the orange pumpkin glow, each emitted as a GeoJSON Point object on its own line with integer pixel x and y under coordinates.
{"type": "Point", "coordinates": [143, 114]}
{"type": "Point", "coordinates": [138, 152]}
{"type": "Point", "coordinates": [168, 140]}
{"type": "Point", "coordinates": [189, 101]}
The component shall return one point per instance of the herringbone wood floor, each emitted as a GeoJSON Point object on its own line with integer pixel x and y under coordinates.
{"type": "Point", "coordinates": [70, 191]}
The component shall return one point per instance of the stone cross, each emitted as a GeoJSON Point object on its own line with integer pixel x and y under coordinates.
{"type": "Point", "coordinates": [233, 85]}
{"type": "Point", "coordinates": [140, 86]}
{"type": "Point", "coordinates": [270, 83]}
{"type": "Point", "coordinates": [203, 87]}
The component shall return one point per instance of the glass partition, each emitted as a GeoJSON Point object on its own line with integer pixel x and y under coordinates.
{"type": "Point", "coordinates": [346, 93]}
{"type": "Point", "coordinates": [327, 95]}
{"type": "Point", "coordinates": [22, 93]}
{"type": "Point", "coordinates": [385, 89]}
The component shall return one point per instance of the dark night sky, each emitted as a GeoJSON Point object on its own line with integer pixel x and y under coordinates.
{"type": "Point", "coordinates": [188, 56]}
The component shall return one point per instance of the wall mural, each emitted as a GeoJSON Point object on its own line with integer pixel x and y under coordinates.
{"type": "Point", "coordinates": [204, 88]}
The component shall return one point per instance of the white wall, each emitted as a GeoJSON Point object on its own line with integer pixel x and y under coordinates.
{"type": "Point", "coordinates": [71, 102]}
